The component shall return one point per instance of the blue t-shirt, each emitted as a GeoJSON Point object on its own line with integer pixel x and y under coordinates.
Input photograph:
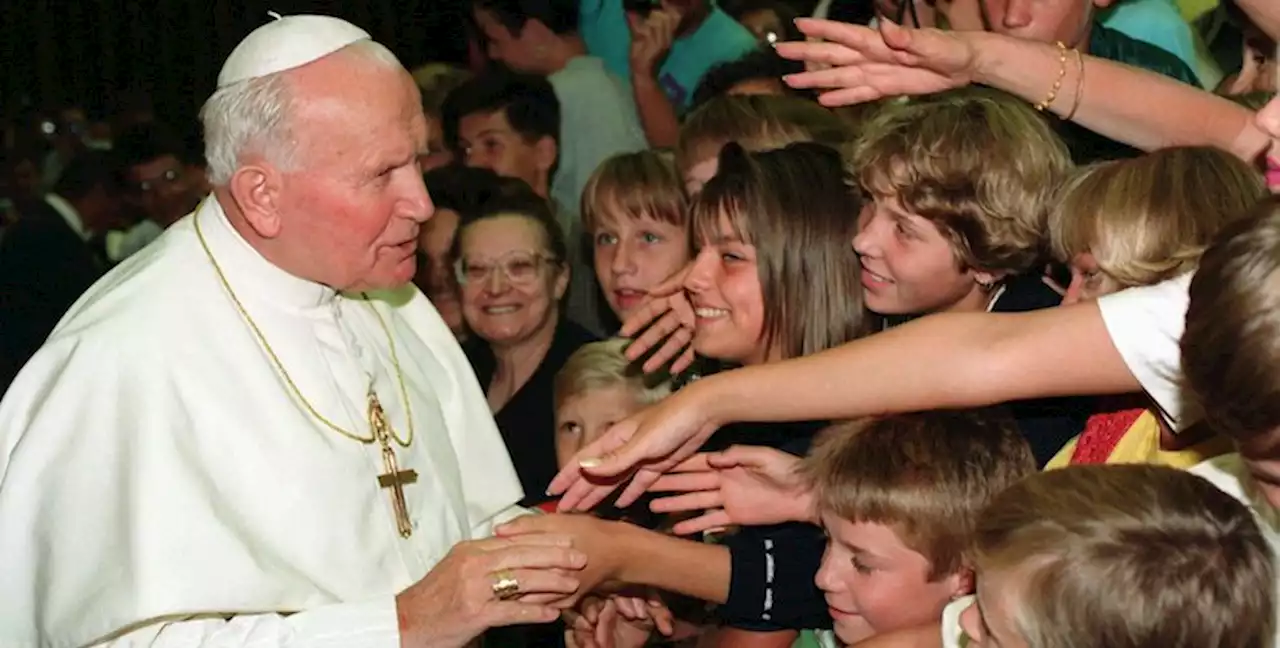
{"type": "Point", "coordinates": [719, 39]}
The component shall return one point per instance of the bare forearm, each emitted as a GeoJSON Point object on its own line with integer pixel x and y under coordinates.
{"type": "Point", "coordinates": [657, 114]}
{"type": "Point", "coordinates": [940, 361]}
{"type": "Point", "coordinates": [1141, 108]}
{"type": "Point", "coordinates": [686, 567]}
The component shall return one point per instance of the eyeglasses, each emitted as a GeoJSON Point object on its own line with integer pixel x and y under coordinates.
{"type": "Point", "coordinates": [150, 184]}
{"type": "Point", "coordinates": [520, 267]}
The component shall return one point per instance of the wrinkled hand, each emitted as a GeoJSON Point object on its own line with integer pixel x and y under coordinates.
{"type": "Point", "coordinates": [643, 446]}
{"type": "Point", "coordinates": [675, 324]}
{"type": "Point", "coordinates": [865, 64]}
{"type": "Point", "coordinates": [744, 485]}
{"type": "Point", "coordinates": [454, 602]}
{"type": "Point", "coordinates": [651, 38]}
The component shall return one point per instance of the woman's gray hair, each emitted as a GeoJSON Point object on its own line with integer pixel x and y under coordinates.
{"type": "Point", "coordinates": [251, 117]}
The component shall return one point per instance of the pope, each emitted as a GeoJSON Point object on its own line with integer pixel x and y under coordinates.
{"type": "Point", "coordinates": [256, 429]}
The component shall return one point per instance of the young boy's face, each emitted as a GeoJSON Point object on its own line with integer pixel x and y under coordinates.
{"type": "Point", "coordinates": [908, 267]}
{"type": "Point", "coordinates": [633, 255]}
{"type": "Point", "coordinates": [584, 417]}
{"type": "Point", "coordinates": [874, 583]}
{"type": "Point", "coordinates": [989, 621]}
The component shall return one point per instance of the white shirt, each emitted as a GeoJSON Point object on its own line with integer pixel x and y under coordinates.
{"type": "Point", "coordinates": [1146, 326]}
{"type": "Point", "coordinates": [157, 473]}
{"type": "Point", "coordinates": [123, 244]}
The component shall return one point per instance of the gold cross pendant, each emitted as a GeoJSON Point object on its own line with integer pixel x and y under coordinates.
{"type": "Point", "coordinates": [394, 478]}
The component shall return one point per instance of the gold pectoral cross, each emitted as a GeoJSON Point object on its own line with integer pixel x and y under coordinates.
{"type": "Point", "coordinates": [394, 478]}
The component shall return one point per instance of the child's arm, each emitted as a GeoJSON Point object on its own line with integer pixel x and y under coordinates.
{"type": "Point", "coordinates": [941, 361]}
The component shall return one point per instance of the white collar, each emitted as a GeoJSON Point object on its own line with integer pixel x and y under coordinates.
{"type": "Point", "coordinates": [69, 214]}
{"type": "Point", "coordinates": [251, 275]}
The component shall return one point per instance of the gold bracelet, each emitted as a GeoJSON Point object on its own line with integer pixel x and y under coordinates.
{"type": "Point", "coordinates": [1057, 84]}
{"type": "Point", "coordinates": [1079, 98]}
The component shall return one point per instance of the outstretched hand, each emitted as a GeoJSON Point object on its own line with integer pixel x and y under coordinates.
{"type": "Point", "coordinates": [855, 64]}
{"type": "Point", "coordinates": [744, 485]}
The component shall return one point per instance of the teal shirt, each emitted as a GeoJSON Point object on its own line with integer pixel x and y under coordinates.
{"type": "Point", "coordinates": [720, 39]}
{"type": "Point", "coordinates": [1159, 23]}
{"type": "Point", "coordinates": [1112, 45]}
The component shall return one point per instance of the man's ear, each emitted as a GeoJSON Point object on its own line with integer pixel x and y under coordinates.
{"type": "Point", "coordinates": [546, 151]}
{"type": "Point", "coordinates": [256, 190]}
{"type": "Point", "coordinates": [1103, 4]}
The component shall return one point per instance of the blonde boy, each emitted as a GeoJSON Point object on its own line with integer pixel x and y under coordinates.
{"type": "Point", "coordinates": [1129, 556]}
{"type": "Point", "coordinates": [1140, 221]}
{"type": "Point", "coordinates": [597, 387]}
{"type": "Point", "coordinates": [899, 498]}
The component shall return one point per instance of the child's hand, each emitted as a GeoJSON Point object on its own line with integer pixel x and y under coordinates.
{"type": "Point", "coordinates": [744, 485]}
{"type": "Point", "coordinates": [666, 317]}
{"type": "Point", "coordinates": [617, 622]}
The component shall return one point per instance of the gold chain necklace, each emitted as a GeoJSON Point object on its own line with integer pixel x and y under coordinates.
{"type": "Point", "coordinates": [293, 387]}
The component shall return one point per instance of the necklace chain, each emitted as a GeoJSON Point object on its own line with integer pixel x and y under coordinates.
{"type": "Point", "coordinates": [293, 387]}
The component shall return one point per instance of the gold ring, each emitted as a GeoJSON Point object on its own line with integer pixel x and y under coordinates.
{"type": "Point", "coordinates": [505, 586]}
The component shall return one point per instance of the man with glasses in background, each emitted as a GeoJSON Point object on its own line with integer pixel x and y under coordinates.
{"type": "Point", "coordinates": [159, 188]}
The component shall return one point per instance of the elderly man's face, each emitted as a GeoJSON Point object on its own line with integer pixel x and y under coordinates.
{"type": "Point", "coordinates": [351, 209]}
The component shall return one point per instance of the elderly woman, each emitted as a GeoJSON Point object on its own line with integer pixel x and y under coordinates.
{"type": "Point", "coordinates": [510, 266]}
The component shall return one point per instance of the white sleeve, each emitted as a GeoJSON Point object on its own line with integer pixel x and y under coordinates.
{"type": "Point", "coordinates": [1146, 326]}
{"type": "Point", "coordinates": [348, 625]}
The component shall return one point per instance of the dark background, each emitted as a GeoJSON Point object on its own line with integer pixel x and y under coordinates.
{"type": "Point", "coordinates": [96, 53]}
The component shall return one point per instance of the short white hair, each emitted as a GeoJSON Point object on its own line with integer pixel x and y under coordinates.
{"type": "Point", "coordinates": [251, 117]}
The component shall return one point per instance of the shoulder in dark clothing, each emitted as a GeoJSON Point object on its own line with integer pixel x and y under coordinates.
{"type": "Point", "coordinates": [527, 421]}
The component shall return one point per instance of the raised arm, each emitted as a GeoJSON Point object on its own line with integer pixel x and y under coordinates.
{"type": "Point", "coordinates": [1126, 104]}
{"type": "Point", "coordinates": [1144, 109]}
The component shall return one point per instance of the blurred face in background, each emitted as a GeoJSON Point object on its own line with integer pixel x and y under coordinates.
{"type": "Point", "coordinates": [435, 271]}
{"type": "Point", "coordinates": [163, 189]}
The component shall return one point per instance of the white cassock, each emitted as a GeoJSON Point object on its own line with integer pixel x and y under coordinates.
{"type": "Point", "coordinates": [159, 481]}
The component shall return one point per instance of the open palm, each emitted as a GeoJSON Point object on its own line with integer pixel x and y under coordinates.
{"type": "Point", "coordinates": [744, 485]}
